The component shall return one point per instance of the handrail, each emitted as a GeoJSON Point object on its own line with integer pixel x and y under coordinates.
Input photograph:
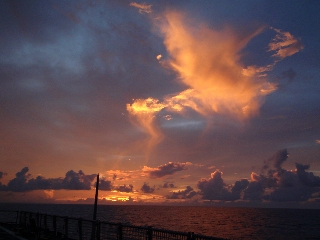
{"type": "Point", "coordinates": [71, 228]}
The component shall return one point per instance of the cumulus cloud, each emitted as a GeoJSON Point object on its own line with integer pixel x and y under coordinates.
{"type": "Point", "coordinates": [238, 188]}
{"type": "Point", "coordinates": [214, 188]}
{"type": "Point", "coordinates": [105, 185]}
{"type": "Point", "coordinates": [72, 181]}
{"type": "Point", "coordinates": [19, 183]}
{"type": "Point", "coordinates": [275, 184]}
{"type": "Point", "coordinates": [166, 169]}
{"type": "Point", "coordinates": [124, 188]}
{"type": "Point", "coordinates": [146, 188]}
{"type": "Point", "coordinates": [77, 180]}
{"type": "Point", "coordinates": [184, 194]}
{"type": "Point", "coordinates": [307, 178]}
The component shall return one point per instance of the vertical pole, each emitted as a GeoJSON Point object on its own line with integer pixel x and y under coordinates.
{"type": "Point", "coordinates": [96, 200]}
{"type": "Point", "coordinates": [94, 223]}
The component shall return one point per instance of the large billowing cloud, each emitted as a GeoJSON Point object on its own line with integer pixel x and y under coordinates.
{"type": "Point", "coordinates": [208, 65]}
{"type": "Point", "coordinates": [214, 188]}
{"type": "Point", "coordinates": [105, 185]}
{"type": "Point", "coordinates": [273, 183]}
{"type": "Point", "coordinates": [72, 181]}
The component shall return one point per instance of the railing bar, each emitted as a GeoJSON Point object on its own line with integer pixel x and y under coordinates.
{"type": "Point", "coordinates": [78, 228]}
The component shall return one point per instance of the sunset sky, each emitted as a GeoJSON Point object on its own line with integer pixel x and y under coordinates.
{"type": "Point", "coordinates": [169, 101]}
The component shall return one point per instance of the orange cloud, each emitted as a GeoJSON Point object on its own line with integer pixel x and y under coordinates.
{"type": "Point", "coordinates": [208, 64]}
{"type": "Point", "coordinates": [285, 44]}
{"type": "Point", "coordinates": [144, 111]}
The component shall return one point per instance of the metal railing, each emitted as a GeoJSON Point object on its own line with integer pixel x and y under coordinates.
{"type": "Point", "coordinates": [9, 217]}
{"type": "Point", "coordinates": [64, 227]}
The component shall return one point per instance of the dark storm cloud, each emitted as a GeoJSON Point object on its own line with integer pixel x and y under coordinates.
{"type": "Point", "coordinates": [77, 180]}
{"type": "Point", "coordinates": [214, 188]}
{"type": "Point", "coordinates": [238, 187]}
{"type": "Point", "coordinates": [307, 178]}
{"type": "Point", "coordinates": [183, 194]}
{"type": "Point", "coordinates": [19, 183]}
{"type": "Point", "coordinates": [124, 188]}
{"type": "Point", "coordinates": [105, 185]}
{"type": "Point", "coordinates": [277, 184]}
{"type": "Point", "coordinates": [146, 188]}
{"type": "Point", "coordinates": [167, 169]}
{"type": "Point", "coordinates": [72, 181]}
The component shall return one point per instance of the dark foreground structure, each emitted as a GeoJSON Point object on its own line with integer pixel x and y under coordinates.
{"type": "Point", "coordinates": [39, 226]}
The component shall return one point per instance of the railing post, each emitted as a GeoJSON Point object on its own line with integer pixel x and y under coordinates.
{"type": "Point", "coordinates": [66, 230]}
{"type": "Point", "coordinates": [150, 233]}
{"type": "Point", "coordinates": [45, 221]}
{"type": "Point", "coordinates": [190, 236]}
{"type": "Point", "coordinates": [93, 230]}
{"type": "Point", "coordinates": [37, 220]}
{"type": "Point", "coordinates": [18, 219]}
{"type": "Point", "coordinates": [120, 231]}
{"type": "Point", "coordinates": [25, 219]}
{"type": "Point", "coordinates": [98, 229]}
{"type": "Point", "coordinates": [80, 228]}
{"type": "Point", "coordinates": [54, 225]}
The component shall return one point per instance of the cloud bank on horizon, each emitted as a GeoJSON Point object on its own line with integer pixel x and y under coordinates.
{"type": "Point", "coordinates": [273, 184]}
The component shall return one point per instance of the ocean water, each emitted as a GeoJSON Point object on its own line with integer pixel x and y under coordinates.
{"type": "Point", "coordinates": [231, 223]}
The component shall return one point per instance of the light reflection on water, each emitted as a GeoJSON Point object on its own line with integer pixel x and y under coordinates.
{"type": "Point", "coordinates": [232, 223]}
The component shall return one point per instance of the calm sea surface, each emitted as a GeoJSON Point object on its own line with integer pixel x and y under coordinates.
{"type": "Point", "coordinates": [232, 223]}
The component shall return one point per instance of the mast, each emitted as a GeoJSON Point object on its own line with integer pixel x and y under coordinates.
{"type": "Point", "coordinates": [96, 199]}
